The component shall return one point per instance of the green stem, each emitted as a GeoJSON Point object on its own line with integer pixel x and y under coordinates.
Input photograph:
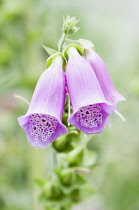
{"type": "Point", "coordinates": [61, 41]}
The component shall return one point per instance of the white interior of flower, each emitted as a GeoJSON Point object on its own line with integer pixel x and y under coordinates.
{"type": "Point", "coordinates": [89, 116]}
{"type": "Point", "coordinates": [41, 126]}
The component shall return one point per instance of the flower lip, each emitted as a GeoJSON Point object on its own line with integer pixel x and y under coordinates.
{"type": "Point", "coordinates": [41, 129]}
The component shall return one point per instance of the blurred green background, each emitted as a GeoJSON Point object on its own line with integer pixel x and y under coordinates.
{"type": "Point", "coordinates": [113, 27]}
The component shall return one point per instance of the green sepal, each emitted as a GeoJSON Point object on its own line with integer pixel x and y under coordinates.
{"type": "Point", "coordinates": [52, 57]}
{"type": "Point", "coordinates": [49, 50]}
{"type": "Point", "coordinates": [79, 48]}
{"type": "Point", "coordinates": [71, 41]}
{"type": "Point", "coordinates": [85, 44]}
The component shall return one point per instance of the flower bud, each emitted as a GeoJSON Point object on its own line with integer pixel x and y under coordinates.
{"type": "Point", "coordinates": [64, 142]}
{"type": "Point", "coordinates": [67, 176]}
{"type": "Point", "coordinates": [75, 195]}
{"type": "Point", "coordinates": [69, 25]}
{"type": "Point", "coordinates": [60, 144]}
{"type": "Point", "coordinates": [52, 189]}
{"type": "Point", "coordinates": [65, 117]}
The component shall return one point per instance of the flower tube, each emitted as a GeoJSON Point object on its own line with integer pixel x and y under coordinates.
{"type": "Point", "coordinates": [100, 69]}
{"type": "Point", "coordinates": [42, 122]}
{"type": "Point", "coordinates": [90, 108]}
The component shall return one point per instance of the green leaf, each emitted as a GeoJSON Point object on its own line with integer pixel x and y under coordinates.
{"type": "Point", "coordinates": [49, 50]}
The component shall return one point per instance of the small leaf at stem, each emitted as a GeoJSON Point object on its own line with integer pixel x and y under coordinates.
{"type": "Point", "coordinates": [49, 50]}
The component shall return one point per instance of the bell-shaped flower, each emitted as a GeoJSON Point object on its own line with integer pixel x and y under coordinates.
{"type": "Point", "coordinates": [42, 122]}
{"type": "Point", "coordinates": [100, 69]}
{"type": "Point", "coordinates": [90, 107]}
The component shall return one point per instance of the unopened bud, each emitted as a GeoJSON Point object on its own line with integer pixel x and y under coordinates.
{"type": "Point", "coordinates": [52, 189]}
{"type": "Point", "coordinates": [63, 143]}
{"type": "Point", "coordinates": [67, 176]}
{"type": "Point", "coordinates": [75, 195]}
{"type": "Point", "coordinates": [60, 143]}
{"type": "Point", "coordinates": [69, 25]}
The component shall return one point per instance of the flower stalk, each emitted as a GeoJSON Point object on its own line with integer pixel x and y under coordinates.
{"type": "Point", "coordinates": [93, 98]}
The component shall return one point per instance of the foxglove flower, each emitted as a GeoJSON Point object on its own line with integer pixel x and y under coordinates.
{"type": "Point", "coordinates": [42, 122]}
{"type": "Point", "coordinates": [103, 77]}
{"type": "Point", "coordinates": [90, 107]}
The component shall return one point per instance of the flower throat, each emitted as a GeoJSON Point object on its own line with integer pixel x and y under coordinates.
{"type": "Point", "coordinates": [42, 126]}
{"type": "Point", "coordinates": [89, 116]}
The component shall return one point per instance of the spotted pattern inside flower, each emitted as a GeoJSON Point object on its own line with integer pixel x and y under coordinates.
{"type": "Point", "coordinates": [41, 126]}
{"type": "Point", "coordinates": [90, 116]}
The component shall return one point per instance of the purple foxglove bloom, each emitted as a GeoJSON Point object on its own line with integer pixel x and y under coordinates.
{"type": "Point", "coordinates": [42, 122]}
{"type": "Point", "coordinates": [90, 108]}
{"type": "Point", "coordinates": [103, 77]}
